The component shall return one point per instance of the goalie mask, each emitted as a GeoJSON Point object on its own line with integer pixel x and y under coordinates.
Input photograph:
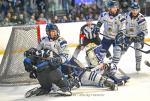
{"type": "Point", "coordinates": [52, 31]}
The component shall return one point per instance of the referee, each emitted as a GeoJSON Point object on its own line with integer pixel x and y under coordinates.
{"type": "Point", "coordinates": [87, 36]}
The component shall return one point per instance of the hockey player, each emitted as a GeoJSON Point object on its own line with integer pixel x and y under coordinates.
{"type": "Point", "coordinates": [136, 29]}
{"type": "Point", "coordinates": [114, 23]}
{"type": "Point", "coordinates": [47, 70]}
{"type": "Point", "coordinates": [87, 36]}
{"type": "Point", "coordinates": [103, 77]}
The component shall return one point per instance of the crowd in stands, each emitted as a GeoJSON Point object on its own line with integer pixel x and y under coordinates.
{"type": "Point", "coordinates": [21, 12]}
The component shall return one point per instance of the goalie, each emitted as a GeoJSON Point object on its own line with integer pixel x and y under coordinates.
{"type": "Point", "coordinates": [43, 62]}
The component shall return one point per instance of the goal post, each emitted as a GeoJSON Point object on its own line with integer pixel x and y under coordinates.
{"type": "Point", "coordinates": [12, 70]}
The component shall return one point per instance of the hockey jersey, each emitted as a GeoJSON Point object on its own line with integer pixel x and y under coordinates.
{"type": "Point", "coordinates": [86, 32]}
{"type": "Point", "coordinates": [136, 25]}
{"type": "Point", "coordinates": [112, 24]}
{"type": "Point", "coordinates": [59, 46]}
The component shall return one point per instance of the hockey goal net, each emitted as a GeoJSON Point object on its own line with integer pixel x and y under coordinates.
{"type": "Point", "coordinates": [12, 70]}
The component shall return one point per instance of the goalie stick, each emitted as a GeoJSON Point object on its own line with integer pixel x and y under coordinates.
{"type": "Point", "coordinates": [146, 52]}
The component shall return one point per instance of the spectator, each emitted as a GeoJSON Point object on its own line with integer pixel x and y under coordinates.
{"type": "Point", "coordinates": [14, 19]}
{"type": "Point", "coordinates": [70, 18]}
{"type": "Point", "coordinates": [21, 19]}
{"type": "Point", "coordinates": [77, 19]}
{"type": "Point", "coordinates": [64, 19]}
{"type": "Point", "coordinates": [56, 20]}
{"type": "Point", "coordinates": [32, 20]}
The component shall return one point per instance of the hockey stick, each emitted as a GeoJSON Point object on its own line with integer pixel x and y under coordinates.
{"type": "Point", "coordinates": [146, 44]}
{"type": "Point", "coordinates": [147, 63]}
{"type": "Point", "coordinates": [122, 72]}
{"type": "Point", "coordinates": [65, 64]}
{"type": "Point", "coordinates": [146, 52]}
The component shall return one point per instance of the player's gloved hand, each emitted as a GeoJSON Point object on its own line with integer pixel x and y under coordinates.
{"type": "Point", "coordinates": [119, 39]}
{"type": "Point", "coordinates": [57, 61]}
{"type": "Point", "coordinates": [33, 75]}
{"type": "Point", "coordinates": [30, 52]}
{"type": "Point", "coordinates": [140, 37]}
{"type": "Point", "coordinates": [46, 53]}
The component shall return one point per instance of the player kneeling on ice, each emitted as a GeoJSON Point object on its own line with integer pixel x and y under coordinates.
{"type": "Point", "coordinates": [43, 62]}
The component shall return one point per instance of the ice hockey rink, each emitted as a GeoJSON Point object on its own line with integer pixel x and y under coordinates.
{"type": "Point", "coordinates": [137, 89]}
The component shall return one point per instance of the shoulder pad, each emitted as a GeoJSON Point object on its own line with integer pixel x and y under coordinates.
{"type": "Point", "coordinates": [60, 39]}
{"type": "Point", "coordinates": [103, 14]}
{"type": "Point", "coordinates": [141, 19]}
{"type": "Point", "coordinates": [83, 26]}
{"type": "Point", "coordinates": [43, 37]}
{"type": "Point", "coordinates": [62, 42]}
{"type": "Point", "coordinates": [141, 16]}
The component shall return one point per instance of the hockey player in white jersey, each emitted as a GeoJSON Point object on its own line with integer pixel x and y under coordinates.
{"type": "Point", "coordinates": [114, 23]}
{"type": "Point", "coordinates": [44, 61]}
{"type": "Point", "coordinates": [136, 29]}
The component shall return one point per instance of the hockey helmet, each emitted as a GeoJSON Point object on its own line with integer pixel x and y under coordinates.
{"type": "Point", "coordinates": [51, 26]}
{"type": "Point", "coordinates": [135, 5]}
{"type": "Point", "coordinates": [112, 3]}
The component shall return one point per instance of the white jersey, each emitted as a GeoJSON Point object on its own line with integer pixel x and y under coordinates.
{"type": "Point", "coordinates": [59, 46]}
{"type": "Point", "coordinates": [136, 25]}
{"type": "Point", "coordinates": [112, 24]}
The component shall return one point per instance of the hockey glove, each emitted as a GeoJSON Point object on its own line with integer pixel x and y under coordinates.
{"type": "Point", "coordinates": [33, 75]}
{"type": "Point", "coordinates": [30, 52]}
{"type": "Point", "coordinates": [119, 39]}
{"type": "Point", "coordinates": [140, 37]}
{"type": "Point", "coordinates": [57, 61]}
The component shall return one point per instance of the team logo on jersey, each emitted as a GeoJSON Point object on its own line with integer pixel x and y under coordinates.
{"type": "Point", "coordinates": [109, 29]}
{"type": "Point", "coordinates": [131, 30]}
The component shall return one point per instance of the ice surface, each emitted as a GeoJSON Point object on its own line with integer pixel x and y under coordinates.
{"type": "Point", "coordinates": [137, 89]}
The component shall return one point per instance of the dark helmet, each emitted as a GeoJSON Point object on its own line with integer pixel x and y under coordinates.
{"type": "Point", "coordinates": [112, 3]}
{"type": "Point", "coordinates": [51, 26]}
{"type": "Point", "coordinates": [135, 5]}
